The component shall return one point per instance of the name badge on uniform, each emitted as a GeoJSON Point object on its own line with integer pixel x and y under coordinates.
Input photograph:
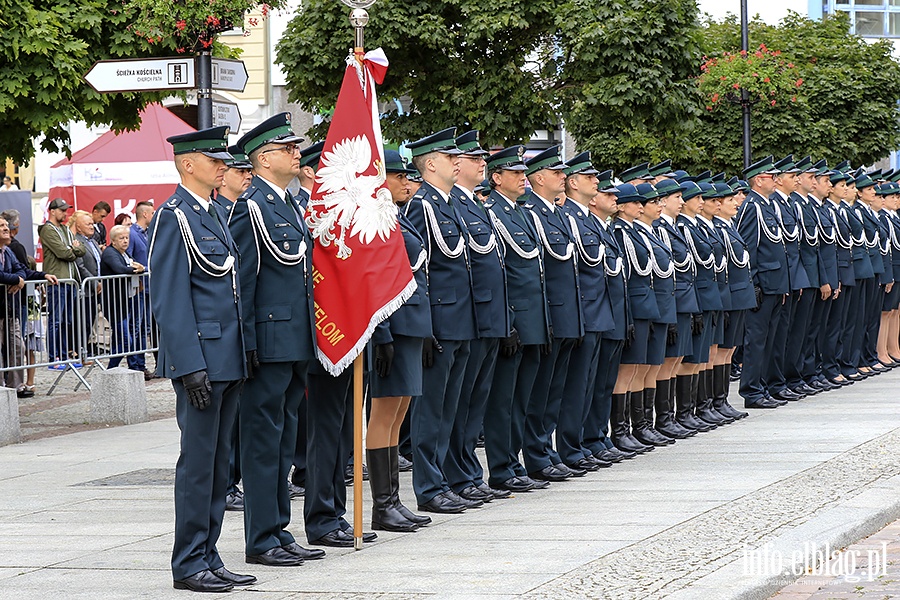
{"type": "Point", "coordinates": [282, 224]}
{"type": "Point", "coordinates": [207, 239]}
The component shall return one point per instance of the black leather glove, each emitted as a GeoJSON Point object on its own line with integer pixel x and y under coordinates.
{"type": "Point", "coordinates": [384, 358]}
{"type": "Point", "coordinates": [510, 345]}
{"type": "Point", "coordinates": [697, 324]}
{"type": "Point", "coordinates": [727, 319]}
{"type": "Point", "coordinates": [252, 363]}
{"type": "Point", "coordinates": [629, 336]}
{"type": "Point", "coordinates": [546, 348]}
{"type": "Point", "coordinates": [758, 291]}
{"type": "Point", "coordinates": [715, 318]}
{"type": "Point", "coordinates": [650, 328]}
{"type": "Point", "coordinates": [198, 388]}
{"type": "Point", "coordinates": [428, 352]}
{"type": "Point", "coordinates": [579, 341]}
{"type": "Point", "coordinates": [671, 334]}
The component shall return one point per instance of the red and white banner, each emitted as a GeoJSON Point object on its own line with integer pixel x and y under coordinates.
{"type": "Point", "coordinates": [361, 272]}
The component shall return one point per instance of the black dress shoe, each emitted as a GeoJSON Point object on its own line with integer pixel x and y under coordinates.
{"type": "Point", "coordinates": [536, 483]}
{"type": "Point", "coordinates": [274, 557]}
{"type": "Point", "coordinates": [549, 473]}
{"type": "Point", "coordinates": [515, 484]}
{"type": "Point", "coordinates": [585, 465]}
{"type": "Point", "coordinates": [473, 493]}
{"type": "Point", "coordinates": [233, 578]}
{"type": "Point", "coordinates": [573, 472]}
{"type": "Point", "coordinates": [442, 504]}
{"type": "Point", "coordinates": [610, 453]}
{"type": "Point", "coordinates": [341, 539]}
{"type": "Point", "coordinates": [787, 395]}
{"type": "Point", "coordinates": [807, 389]}
{"type": "Point", "coordinates": [496, 494]}
{"type": "Point", "coordinates": [234, 500]}
{"type": "Point", "coordinates": [296, 491]}
{"type": "Point", "coordinates": [304, 553]}
{"type": "Point", "coordinates": [23, 393]}
{"type": "Point", "coordinates": [204, 581]}
{"type": "Point", "coordinates": [403, 464]}
{"type": "Point", "coordinates": [593, 460]}
{"type": "Point", "coordinates": [762, 403]}
{"type": "Point", "coordinates": [464, 501]}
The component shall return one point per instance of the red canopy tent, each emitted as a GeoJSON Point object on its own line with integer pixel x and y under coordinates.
{"type": "Point", "coordinates": [122, 169]}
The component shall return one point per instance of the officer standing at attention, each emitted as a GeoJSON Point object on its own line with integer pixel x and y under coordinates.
{"type": "Point", "coordinates": [432, 213]}
{"type": "Point", "coordinates": [201, 350]}
{"type": "Point", "coordinates": [760, 228]}
{"type": "Point", "coordinates": [581, 187]}
{"type": "Point", "coordinates": [546, 173]}
{"type": "Point", "coordinates": [504, 418]}
{"type": "Point", "coordinates": [276, 295]}
{"type": "Point", "coordinates": [463, 471]}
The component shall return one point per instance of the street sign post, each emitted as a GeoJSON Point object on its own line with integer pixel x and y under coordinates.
{"type": "Point", "coordinates": [142, 74]}
{"type": "Point", "coordinates": [226, 113]}
{"type": "Point", "coordinates": [229, 75]}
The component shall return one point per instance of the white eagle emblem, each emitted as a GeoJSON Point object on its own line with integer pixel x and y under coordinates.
{"type": "Point", "coordinates": [351, 202]}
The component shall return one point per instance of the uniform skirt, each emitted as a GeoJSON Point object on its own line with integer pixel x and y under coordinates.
{"type": "Point", "coordinates": [636, 352]}
{"type": "Point", "coordinates": [717, 336]}
{"type": "Point", "coordinates": [891, 299]}
{"type": "Point", "coordinates": [656, 344]}
{"type": "Point", "coordinates": [734, 329]}
{"type": "Point", "coordinates": [683, 345]}
{"type": "Point", "coordinates": [405, 378]}
{"type": "Point", "coordinates": [701, 342]}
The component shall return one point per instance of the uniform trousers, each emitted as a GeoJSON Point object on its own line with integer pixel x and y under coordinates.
{"type": "Point", "coordinates": [596, 425]}
{"type": "Point", "coordinates": [504, 417]}
{"type": "Point", "coordinates": [873, 323]}
{"type": "Point", "coordinates": [298, 476]}
{"type": "Point", "coordinates": [268, 422]}
{"type": "Point", "coordinates": [854, 327]}
{"type": "Point", "coordinates": [572, 416]}
{"type": "Point", "coordinates": [775, 378]}
{"type": "Point", "coordinates": [329, 416]}
{"type": "Point", "coordinates": [758, 342]}
{"type": "Point", "coordinates": [812, 367]}
{"type": "Point", "coordinates": [832, 344]}
{"type": "Point", "coordinates": [796, 348]}
{"type": "Point", "coordinates": [462, 467]}
{"type": "Point", "coordinates": [201, 476]}
{"type": "Point", "coordinates": [433, 415]}
{"type": "Point", "coordinates": [542, 412]}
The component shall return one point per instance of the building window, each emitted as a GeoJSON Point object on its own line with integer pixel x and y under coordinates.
{"type": "Point", "coordinates": [869, 18]}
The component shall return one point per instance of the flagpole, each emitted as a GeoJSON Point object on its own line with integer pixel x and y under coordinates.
{"type": "Point", "coordinates": [359, 18]}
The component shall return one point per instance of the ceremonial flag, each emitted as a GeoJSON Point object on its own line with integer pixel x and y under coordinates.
{"type": "Point", "coordinates": [361, 272]}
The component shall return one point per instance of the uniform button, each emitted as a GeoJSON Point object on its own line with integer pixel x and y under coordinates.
{"type": "Point", "coordinates": [172, 368]}
{"type": "Point", "coordinates": [270, 315]}
{"type": "Point", "coordinates": [198, 334]}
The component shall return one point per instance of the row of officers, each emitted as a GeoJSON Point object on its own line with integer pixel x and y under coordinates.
{"type": "Point", "coordinates": [574, 323]}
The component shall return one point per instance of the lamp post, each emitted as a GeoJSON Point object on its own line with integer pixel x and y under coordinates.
{"type": "Point", "coordinates": [745, 96]}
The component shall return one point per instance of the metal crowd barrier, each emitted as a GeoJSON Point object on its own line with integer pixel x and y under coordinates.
{"type": "Point", "coordinates": [72, 328]}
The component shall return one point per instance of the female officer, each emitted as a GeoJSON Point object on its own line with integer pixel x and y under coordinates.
{"type": "Point", "coordinates": [626, 399]}
{"type": "Point", "coordinates": [688, 379]}
{"type": "Point", "coordinates": [397, 373]}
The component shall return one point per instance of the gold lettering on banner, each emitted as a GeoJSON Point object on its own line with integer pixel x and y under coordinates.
{"type": "Point", "coordinates": [317, 276]}
{"type": "Point", "coordinates": [329, 330]}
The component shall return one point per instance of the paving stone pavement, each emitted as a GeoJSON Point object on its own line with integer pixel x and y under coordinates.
{"type": "Point", "coordinates": [869, 569]}
{"type": "Point", "coordinates": [89, 515]}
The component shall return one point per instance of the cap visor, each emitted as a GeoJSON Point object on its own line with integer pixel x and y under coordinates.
{"type": "Point", "coordinates": [476, 153]}
{"type": "Point", "coordinates": [240, 164]}
{"type": "Point", "coordinates": [451, 151]}
{"type": "Point", "coordinates": [219, 155]}
{"type": "Point", "coordinates": [514, 168]}
{"type": "Point", "coordinates": [288, 139]}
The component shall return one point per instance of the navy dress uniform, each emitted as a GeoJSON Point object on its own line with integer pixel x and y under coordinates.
{"type": "Point", "coordinates": [892, 223]}
{"type": "Point", "coordinates": [453, 321]}
{"type": "Point", "coordinates": [566, 325]}
{"type": "Point", "coordinates": [759, 226]}
{"type": "Point", "coordinates": [827, 260]}
{"type": "Point", "coordinates": [874, 237]}
{"type": "Point", "coordinates": [776, 380]}
{"type": "Point", "coordinates": [612, 340]}
{"type": "Point", "coordinates": [864, 273]}
{"type": "Point", "coordinates": [832, 344]}
{"type": "Point", "coordinates": [462, 468]}
{"type": "Point", "coordinates": [598, 317]}
{"type": "Point", "coordinates": [276, 255]}
{"type": "Point", "coordinates": [201, 350]}
{"type": "Point", "coordinates": [309, 156]}
{"type": "Point", "coordinates": [514, 375]}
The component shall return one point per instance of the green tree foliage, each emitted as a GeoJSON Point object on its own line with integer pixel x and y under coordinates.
{"type": "Point", "coordinates": [623, 75]}
{"type": "Point", "coordinates": [467, 63]}
{"type": "Point", "coordinates": [846, 107]}
{"type": "Point", "coordinates": [46, 48]}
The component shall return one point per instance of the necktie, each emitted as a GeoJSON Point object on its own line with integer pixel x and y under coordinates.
{"type": "Point", "coordinates": [212, 212]}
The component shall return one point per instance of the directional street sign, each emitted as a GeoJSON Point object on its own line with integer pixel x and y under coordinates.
{"type": "Point", "coordinates": [229, 75]}
{"type": "Point", "coordinates": [226, 113]}
{"type": "Point", "coordinates": [143, 74]}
